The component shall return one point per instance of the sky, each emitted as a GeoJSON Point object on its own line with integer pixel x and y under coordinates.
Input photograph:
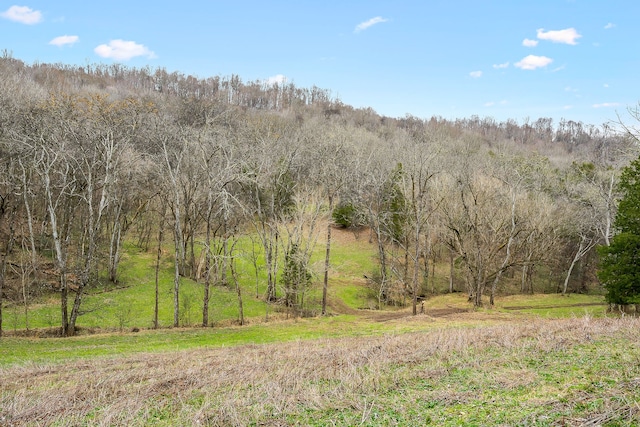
{"type": "Point", "coordinates": [506, 59]}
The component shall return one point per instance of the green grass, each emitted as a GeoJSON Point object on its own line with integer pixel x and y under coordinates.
{"type": "Point", "coordinates": [17, 350]}
{"type": "Point", "coordinates": [554, 305]}
{"type": "Point", "coordinates": [539, 372]}
{"type": "Point", "coordinates": [20, 350]}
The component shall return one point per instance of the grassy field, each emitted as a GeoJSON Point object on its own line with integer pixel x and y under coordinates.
{"type": "Point", "coordinates": [468, 371]}
{"type": "Point", "coordinates": [532, 360]}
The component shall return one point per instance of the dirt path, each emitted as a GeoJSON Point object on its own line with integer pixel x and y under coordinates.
{"type": "Point", "coordinates": [339, 307]}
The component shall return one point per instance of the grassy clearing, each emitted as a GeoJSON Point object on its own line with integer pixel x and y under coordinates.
{"type": "Point", "coordinates": [19, 350]}
{"type": "Point", "coordinates": [130, 303]}
{"type": "Point", "coordinates": [579, 371]}
{"type": "Point", "coordinates": [451, 310]}
{"type": "Point", "coordinates": [447, 310]}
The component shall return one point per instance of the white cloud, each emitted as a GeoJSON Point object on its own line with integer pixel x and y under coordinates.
{"type": "Point", "coordinates": [529, 43]}
{"type": "Point", "coordinates": [606, 85]}
{"type": "Point", "coordinates": [500, 66]}
{"type": "Point", "coordinates": [476, 74]}
{"type": "Point", "coordinates": [567, 107]}
{"type": "Point", "coordinates": [609, 26]}
{"type": "Point", "coordinates": [122, 50]}
{"type": "Point", "coordinates": [373, 21]}
{"type": "Point", "coordinates": [532, 62]}
{"type": "Point", "coordinates": [279, 79]}
{"type": "Point", "coordinates": [567, 36]}
{"type": "Point", "coordinates": [63, 40]}
{"type": "Point", "coordinates": [606, 105]}
{"type": "Point", "coordinates": [492, 103]}
{"type": "Point", "coordinates": [22, 14]}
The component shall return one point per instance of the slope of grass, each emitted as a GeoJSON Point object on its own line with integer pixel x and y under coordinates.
{"type": "Point", "coordinates": [131, 302]}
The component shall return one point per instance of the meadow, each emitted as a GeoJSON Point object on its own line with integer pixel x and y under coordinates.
{"type": "Point", "coordinates": [539, 359]}
{"type": "Point", "coordinates": [461, 369]}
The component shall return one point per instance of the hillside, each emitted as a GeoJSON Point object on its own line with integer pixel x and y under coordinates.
{"type": "Point", "coordinates": [137, 198]}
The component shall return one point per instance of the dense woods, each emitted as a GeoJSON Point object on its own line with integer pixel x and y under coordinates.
{"type": "Point", "coordinates": [95, 156]}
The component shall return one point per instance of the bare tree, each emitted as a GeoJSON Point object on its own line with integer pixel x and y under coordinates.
{"type": "Point", "coordinates": [174, 147]}
{"type": "Point", "coordinates": [334, 160]}
{"type": "Point", "coordinates": [481, 222]}
{"type": "Point", "coordinates": [7, 216]}
{"type": "Point", "coordinates": [300, 239]}
{"type": "Point", "coordinates": [418, 171]}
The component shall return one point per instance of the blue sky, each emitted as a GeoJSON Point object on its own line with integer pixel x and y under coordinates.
{"type": "Point", "coordinates": [572, 59]}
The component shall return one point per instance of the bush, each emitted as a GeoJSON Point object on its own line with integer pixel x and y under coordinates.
{"type": "Point", "coordinates": [346, 215]}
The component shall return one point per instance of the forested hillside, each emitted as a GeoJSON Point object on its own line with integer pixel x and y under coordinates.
{"type": "Point", "coordinates": [97, 156]}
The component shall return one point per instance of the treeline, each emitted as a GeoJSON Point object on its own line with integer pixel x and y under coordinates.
{"type": "Point", "coordinates": [93, 156]}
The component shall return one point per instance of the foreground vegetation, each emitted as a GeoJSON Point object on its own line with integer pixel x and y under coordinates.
{"type": "Point", "coordinates": [577, 371]}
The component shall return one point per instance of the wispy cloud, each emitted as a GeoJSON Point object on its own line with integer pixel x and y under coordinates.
{"type": "Point", "coordinates": [529, 43]}
{"type": "Point", "coordinates": [476, 74]}
{"type": "Point", "coordinates": [277, 79]}
{"type": "Point", "coordinates": [606, 105]}
{"type": "Point", "coordinates": [492, 103]}
{"type": "Point", "coordinates": [609, 26]}
{"type": "Point", "coordinates": [64, 40]}
{"type": "Point", "coordinates": [373, 21]}
{"type": "Point", "coordinates": [532, 62]}
{"type": "Point", "coordinates": [501, 66]}
{"type": "Point", "coordinates": [122, 50]}
{"type": "Point", "coordinates": [566, 36]}
{"type": "Point", "coordinates": [22, 14]}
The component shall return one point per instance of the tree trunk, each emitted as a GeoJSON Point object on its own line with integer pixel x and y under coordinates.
{"type": "Point", "coordinates": [207, 271]}
{"type": "Point", "coordinates": [3, 265]}
{"type": "Point", "coordinates": [523, 279]}
{"type": "Point", "coordinates": [157, 275]}
{"type": "Point", "coordinates": [234, 275]}
{"type": "Point", "coordinates": [583, 248]}
{"type": "Point", "coordinates": [114, 246]}
{"type": "Point", "coordinates": [176, 276]}
{"type": "Point", "coordinates": [416, 268]}
{"type": "Point", "coordinates": [32, 239]}
{"type": "Point", "coordinates": [225, 251]}
{"type": "Point", "coordinates": [382, 255]}
{"type": "Point", "coordinates": [63, 303]}
{"type": "Point", "coordinates": [325, 284]}
{"type": "Point", "coordinates": [507, 257]}
{"type": "Point", "coordinates": [451, 271]}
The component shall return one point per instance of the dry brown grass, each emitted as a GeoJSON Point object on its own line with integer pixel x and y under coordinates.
{"type": "Point", "coordinates": [277, 383]}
